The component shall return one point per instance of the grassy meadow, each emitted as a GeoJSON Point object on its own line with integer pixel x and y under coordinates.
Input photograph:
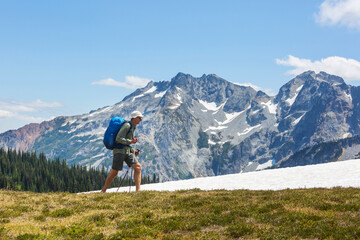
{"type": "Point", "coordinates": [194, 214]}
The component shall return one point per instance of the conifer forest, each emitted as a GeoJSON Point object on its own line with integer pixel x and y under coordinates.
{"type": "Point", "coordinates": [29, 171]}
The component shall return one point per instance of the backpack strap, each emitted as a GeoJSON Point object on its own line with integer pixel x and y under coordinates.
{"type": "Point", "coordinates": [119, 145]}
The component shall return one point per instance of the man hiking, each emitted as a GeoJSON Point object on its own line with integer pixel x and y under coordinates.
{"type": "Point", "coordinates": [125, 137]}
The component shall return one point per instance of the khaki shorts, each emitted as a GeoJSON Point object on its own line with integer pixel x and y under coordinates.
{"type": "Point", "coordinates": [119, 158]}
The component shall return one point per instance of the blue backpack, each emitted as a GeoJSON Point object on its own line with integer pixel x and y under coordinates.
{"type": "Point", "coordinates": [111, 132]}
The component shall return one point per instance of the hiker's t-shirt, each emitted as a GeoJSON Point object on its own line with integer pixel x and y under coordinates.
{"type": "Point", "coordinates": [124, 137]}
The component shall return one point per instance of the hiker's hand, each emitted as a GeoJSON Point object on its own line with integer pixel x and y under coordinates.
{"type": "Point", "coordinates": [137, 152]}
{"type": "Point", "coordinates": [135, 139]}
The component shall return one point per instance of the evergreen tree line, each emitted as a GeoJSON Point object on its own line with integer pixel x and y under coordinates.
{"type": "Point", "coordinates": [27, 171]}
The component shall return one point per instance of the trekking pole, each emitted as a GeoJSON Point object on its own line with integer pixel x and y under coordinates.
{"type": "Point", "coordinates": [123, 179]}
{"type": "Point", "coordinates": [130, 179]}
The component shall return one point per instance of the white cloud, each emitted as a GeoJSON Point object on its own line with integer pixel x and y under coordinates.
{"type": "Point", "coordinates": [38, 104]}
{"type": "Point", "coordinates": [25, 112]}
{"type": "Point", "coordinates": [4, 113]}
{"type": "Point", "coordinates": [268, 91]}
{"type": "Point", "coordinates": [109, 82]}
{"type": "Point", "coordinates": [343, 12]}
{"type": "Point", "coordinates": [32, 119]}
{"type": "Point", "coordinates": [348, 69]}
{"type": "Point", "coordinates": [131, 82]}
{"type": "Point", "coordinates": [14, 107]}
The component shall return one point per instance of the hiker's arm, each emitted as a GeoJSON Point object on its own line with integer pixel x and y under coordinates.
{"type": "Point", "coordinates": [121, 136]}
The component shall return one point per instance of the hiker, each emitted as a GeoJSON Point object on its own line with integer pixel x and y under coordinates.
{"type": "Point", "coordinates": [125, 136]}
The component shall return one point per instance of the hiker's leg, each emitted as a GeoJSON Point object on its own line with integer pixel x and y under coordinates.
{"type": "Point", "coordinates": [113, 173]}
{"type": "Point", "coordinates": [137, 175]}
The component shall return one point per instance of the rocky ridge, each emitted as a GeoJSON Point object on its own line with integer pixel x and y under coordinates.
{"type": "Point", "coordinates": [207, 126]}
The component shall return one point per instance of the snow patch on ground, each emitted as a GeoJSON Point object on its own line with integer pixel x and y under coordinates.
{"type": "Point", "coordinates": [328, 175]}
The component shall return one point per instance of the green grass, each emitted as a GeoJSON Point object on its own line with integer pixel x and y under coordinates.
{"type": "Point", "coordinates": [242, 214]}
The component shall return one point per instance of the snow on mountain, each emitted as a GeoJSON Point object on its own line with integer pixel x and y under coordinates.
{"type": "Point", "coordinates": [296, 121]}
{"type": "Point", "coordinates": [290, 101]}
{"type": "Point", "coordinates": [152, 89]}
{"type": "Point", "coordinates": [271, 106]}
{"type": "Point", "coordinates": [139, 96]}
{"type": "Point", "coordinates": [211, 106]}
{"type": "Point", "coordinates": [328, 175]}
{"type": "Point", "coordinates": [247, 130]}
{"type": "Point", "coordinates": [230, 117]}
{"type": "Point", "coordinates": [196, 127]}
{"type": "Point", "coordinates": [160, 95]}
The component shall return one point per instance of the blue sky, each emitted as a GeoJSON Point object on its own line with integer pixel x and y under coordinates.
{"type": "Point", "coordinates": [70, 57]}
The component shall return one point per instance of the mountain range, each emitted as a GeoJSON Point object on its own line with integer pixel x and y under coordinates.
{"type": "Point", "coordinates": [207, 126]}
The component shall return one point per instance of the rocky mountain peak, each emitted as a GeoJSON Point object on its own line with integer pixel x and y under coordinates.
{"type": "Point", "coordinates": [309, 83]}
{"type": "Point", "coordinates": [332, 79]}
{"type": "Point", "coordinates": [203, 126]}
{"type": "Point", "coordinates": [181, 79]}
{"type": "Point", "coordinates": [162, 85]}
{"type": "Point", "coordinates": [321, 77]}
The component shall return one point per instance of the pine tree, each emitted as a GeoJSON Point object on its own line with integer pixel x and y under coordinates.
{"type": "Point", "coordinates": [31, 172]}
